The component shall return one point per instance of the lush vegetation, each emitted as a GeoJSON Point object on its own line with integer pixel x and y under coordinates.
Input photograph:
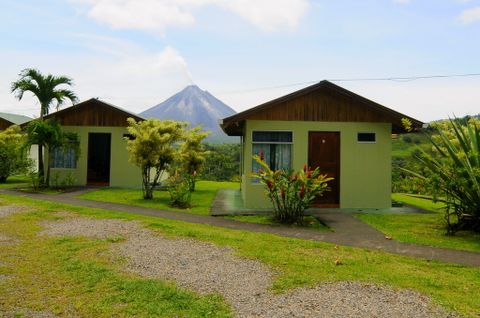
{"type": "Point", "coordinates": [222, 162]}
{"type": "Point", "coordinates": [201, 199]}
{"type": "Point", "coordinates": [290, 192]}
{"type": "Point", "coordinates": [154, 148]}
{"type": "Point", "coordinates": [57, 274]}
{"type": "Point", "coordinates": [48, 134]}
{"type": "Point", "coordinates": [13, 156]}
{"type": "Point", "coordinates": [405, 149]}
{"type": "Point", "coordinates": [49, 90]}
{"type": "Point", "coordinates": [425, 229]}
{"type": "Point", "coordinates": [453, 170]}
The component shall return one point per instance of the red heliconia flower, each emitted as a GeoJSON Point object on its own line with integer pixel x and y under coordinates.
{"type": "Point", "coordinates": [270, 184]}
{"type": "Point", "coordinates": [309, 174]}
{"type": "Point", "coordinates": [261, 155]}
{"type": "Point", "coordinates": [302, 191]}
{"type": "Point", "coordinates": [305, 168]}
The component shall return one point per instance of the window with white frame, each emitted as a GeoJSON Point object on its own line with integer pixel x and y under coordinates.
{"type": "Point", "coordinates": [275, 147]}
{"type": "Point", "coordinates": [63, 158]}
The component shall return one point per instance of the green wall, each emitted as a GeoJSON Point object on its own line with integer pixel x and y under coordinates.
{"type": "Point", "coordinates": [122, 173]}
{"type": "Point", "coordinates": [365, 168]}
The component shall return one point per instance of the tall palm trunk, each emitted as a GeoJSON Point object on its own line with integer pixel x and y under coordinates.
{"type": "Point", "coordinates": [41, 168]}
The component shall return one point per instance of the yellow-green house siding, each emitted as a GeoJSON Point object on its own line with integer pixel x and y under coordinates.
{"type": "Point", "coordinates": [122, 173]}
{"type": "Point", "coordinates": [365, 168]}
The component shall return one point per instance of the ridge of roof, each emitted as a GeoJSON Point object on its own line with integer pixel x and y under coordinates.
{"type": "Point", "coordinates": [308, 89]}
{"type": "Point", "coordinates": [96, 100]}
{"type": "Point", "coordinates": [15, 118]}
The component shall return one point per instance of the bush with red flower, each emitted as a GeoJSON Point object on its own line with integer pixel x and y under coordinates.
{"type": "Point", "coordinates": [291, 192]}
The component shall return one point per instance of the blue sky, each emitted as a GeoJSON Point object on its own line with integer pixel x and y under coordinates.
{"type": "Point", "coordinates": [136, 53]}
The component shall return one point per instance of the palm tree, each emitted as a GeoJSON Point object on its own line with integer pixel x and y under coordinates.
{"type": "Point", "coordinates": [45, 89]}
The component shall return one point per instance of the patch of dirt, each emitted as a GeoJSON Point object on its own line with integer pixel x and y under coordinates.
{"type": "Point", "coordinates": [7, 210]}
{"type": "Point", "coordinates": [244, 283]}
{"type": "Point", "coordinates": [26, 313]}
{"type": "Point", "coordinates": [7, 240]}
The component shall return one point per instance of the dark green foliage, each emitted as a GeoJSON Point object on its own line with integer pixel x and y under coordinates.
{"type": "Point", "coordinates": [453, 170]}
{"type": "Point", "coordinates": [404, 150]}
{"type": "Point", "coordinates": [13, 157]}
{"type": "Point", "coordinates": [222, 162]}
{"type": "Point", "coordinates": [48, 134]}
{"type": "Point", "coordinates": [46, 89]}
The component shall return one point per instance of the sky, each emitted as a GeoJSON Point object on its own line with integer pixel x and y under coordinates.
{"type": "Point", "coordinates": [137, 53]}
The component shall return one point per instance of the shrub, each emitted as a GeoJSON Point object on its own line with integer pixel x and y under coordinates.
{"type": "Point", "coordinates": [179, 190]}
{"type": "Point", "coordinates": [13, 157]}
{"type": "Point", "coordinates": [35, 179]}
{"type": "Point", "coordinates": [453, 170]}
{"type": "Point", "coordinates": [291, 192]}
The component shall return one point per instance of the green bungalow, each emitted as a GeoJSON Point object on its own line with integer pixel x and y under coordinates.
{"type": "Point", "coordinates": [326, 126]}
{"type": "Point", "coordinates": [103, 158]}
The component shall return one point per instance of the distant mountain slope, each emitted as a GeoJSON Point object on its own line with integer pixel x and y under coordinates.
{"type": "Point", "coordinates": [197, 107]}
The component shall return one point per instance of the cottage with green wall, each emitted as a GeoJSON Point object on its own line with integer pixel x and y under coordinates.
{"type": "Point", "coordinates": [324, 125]}
{"type": "Point", "coordinates": [103, 158]}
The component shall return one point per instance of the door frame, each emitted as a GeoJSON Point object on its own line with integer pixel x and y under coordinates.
{"type": "Point", "coordinates": [338, 166]}
{"type": "Point", "coordinates": [93, 182]}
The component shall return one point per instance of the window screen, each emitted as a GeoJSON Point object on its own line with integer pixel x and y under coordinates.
{"type": "Point", "coordinates": [272, 136]}
{"type": "Point", "coordinates": [366, 137]}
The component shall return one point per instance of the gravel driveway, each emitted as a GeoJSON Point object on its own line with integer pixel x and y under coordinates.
{"type": "Point", "coordinates": [244, 283]}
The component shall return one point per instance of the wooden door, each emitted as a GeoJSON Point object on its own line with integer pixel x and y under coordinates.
{"type": "Point", "coordinates": [324, 152]}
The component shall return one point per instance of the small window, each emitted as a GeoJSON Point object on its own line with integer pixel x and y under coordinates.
{"type": "Point", "coordinates": [366, 137]}
{"type": "Point", "coordinates": [63, 158]}
{"type": "Point", "coordinates": [272, 136]}
{"type": "Point", "coordinates": [275, 147]}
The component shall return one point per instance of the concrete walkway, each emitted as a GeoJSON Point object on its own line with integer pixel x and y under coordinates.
{"type": "Point", "coordinates": [349, 231]}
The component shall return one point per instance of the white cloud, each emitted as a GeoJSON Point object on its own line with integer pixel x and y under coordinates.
{"type": "Point", "coordinates": [470, 15]}
{"type": "Point", "coordinates": [158, 15]}
{"type": "Point", "coordinates": [269, 15]}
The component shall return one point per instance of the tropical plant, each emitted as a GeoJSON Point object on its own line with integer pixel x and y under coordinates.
{"type": "Point", "coordinates": [49, 134]}
{"type": "Point", "coordinates": [179, 190]}
{"type": "Point", "coordinates": [193, 154]}
{"type": "Point", "coordinates": [152, 148]}
{"type": "Point", "coordinates": [222, 162]}
{"type": "Point", "coordinates": [13, 157]}
{"type": "Point", "coordinates": [291, 192]}
{"type": "Point", "coordinates": [453, 169]}
{"type": "Point", "coordinates": [46, 89]}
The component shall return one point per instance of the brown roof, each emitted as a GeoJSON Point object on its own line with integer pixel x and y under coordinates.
{"type": "Point", "coordinates": [323, 101]}
{"type": "Point", "coordinates": [93, 112]}
{"type": "Point", "coordinates": [4, 123]}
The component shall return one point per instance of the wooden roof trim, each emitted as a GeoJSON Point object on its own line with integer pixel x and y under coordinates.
{"type": "Point", "coordinates": [266, 105]}
{"type": "Point", "coordinates": [97, 101]}
{"type": "Point", "coordinates": [323, 84]}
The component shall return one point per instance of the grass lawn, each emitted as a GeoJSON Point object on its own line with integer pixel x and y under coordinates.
{"type": "Point", "coordinates": [202, 198]}
{"type": "Point", "coordinates": [426, 229]}
{"type": "Point", "coordinates": [61, 275]}
{"type": "Point", "coordinates": [308, 221]}
{"type": "Point", "coordinates": [15, 182]}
